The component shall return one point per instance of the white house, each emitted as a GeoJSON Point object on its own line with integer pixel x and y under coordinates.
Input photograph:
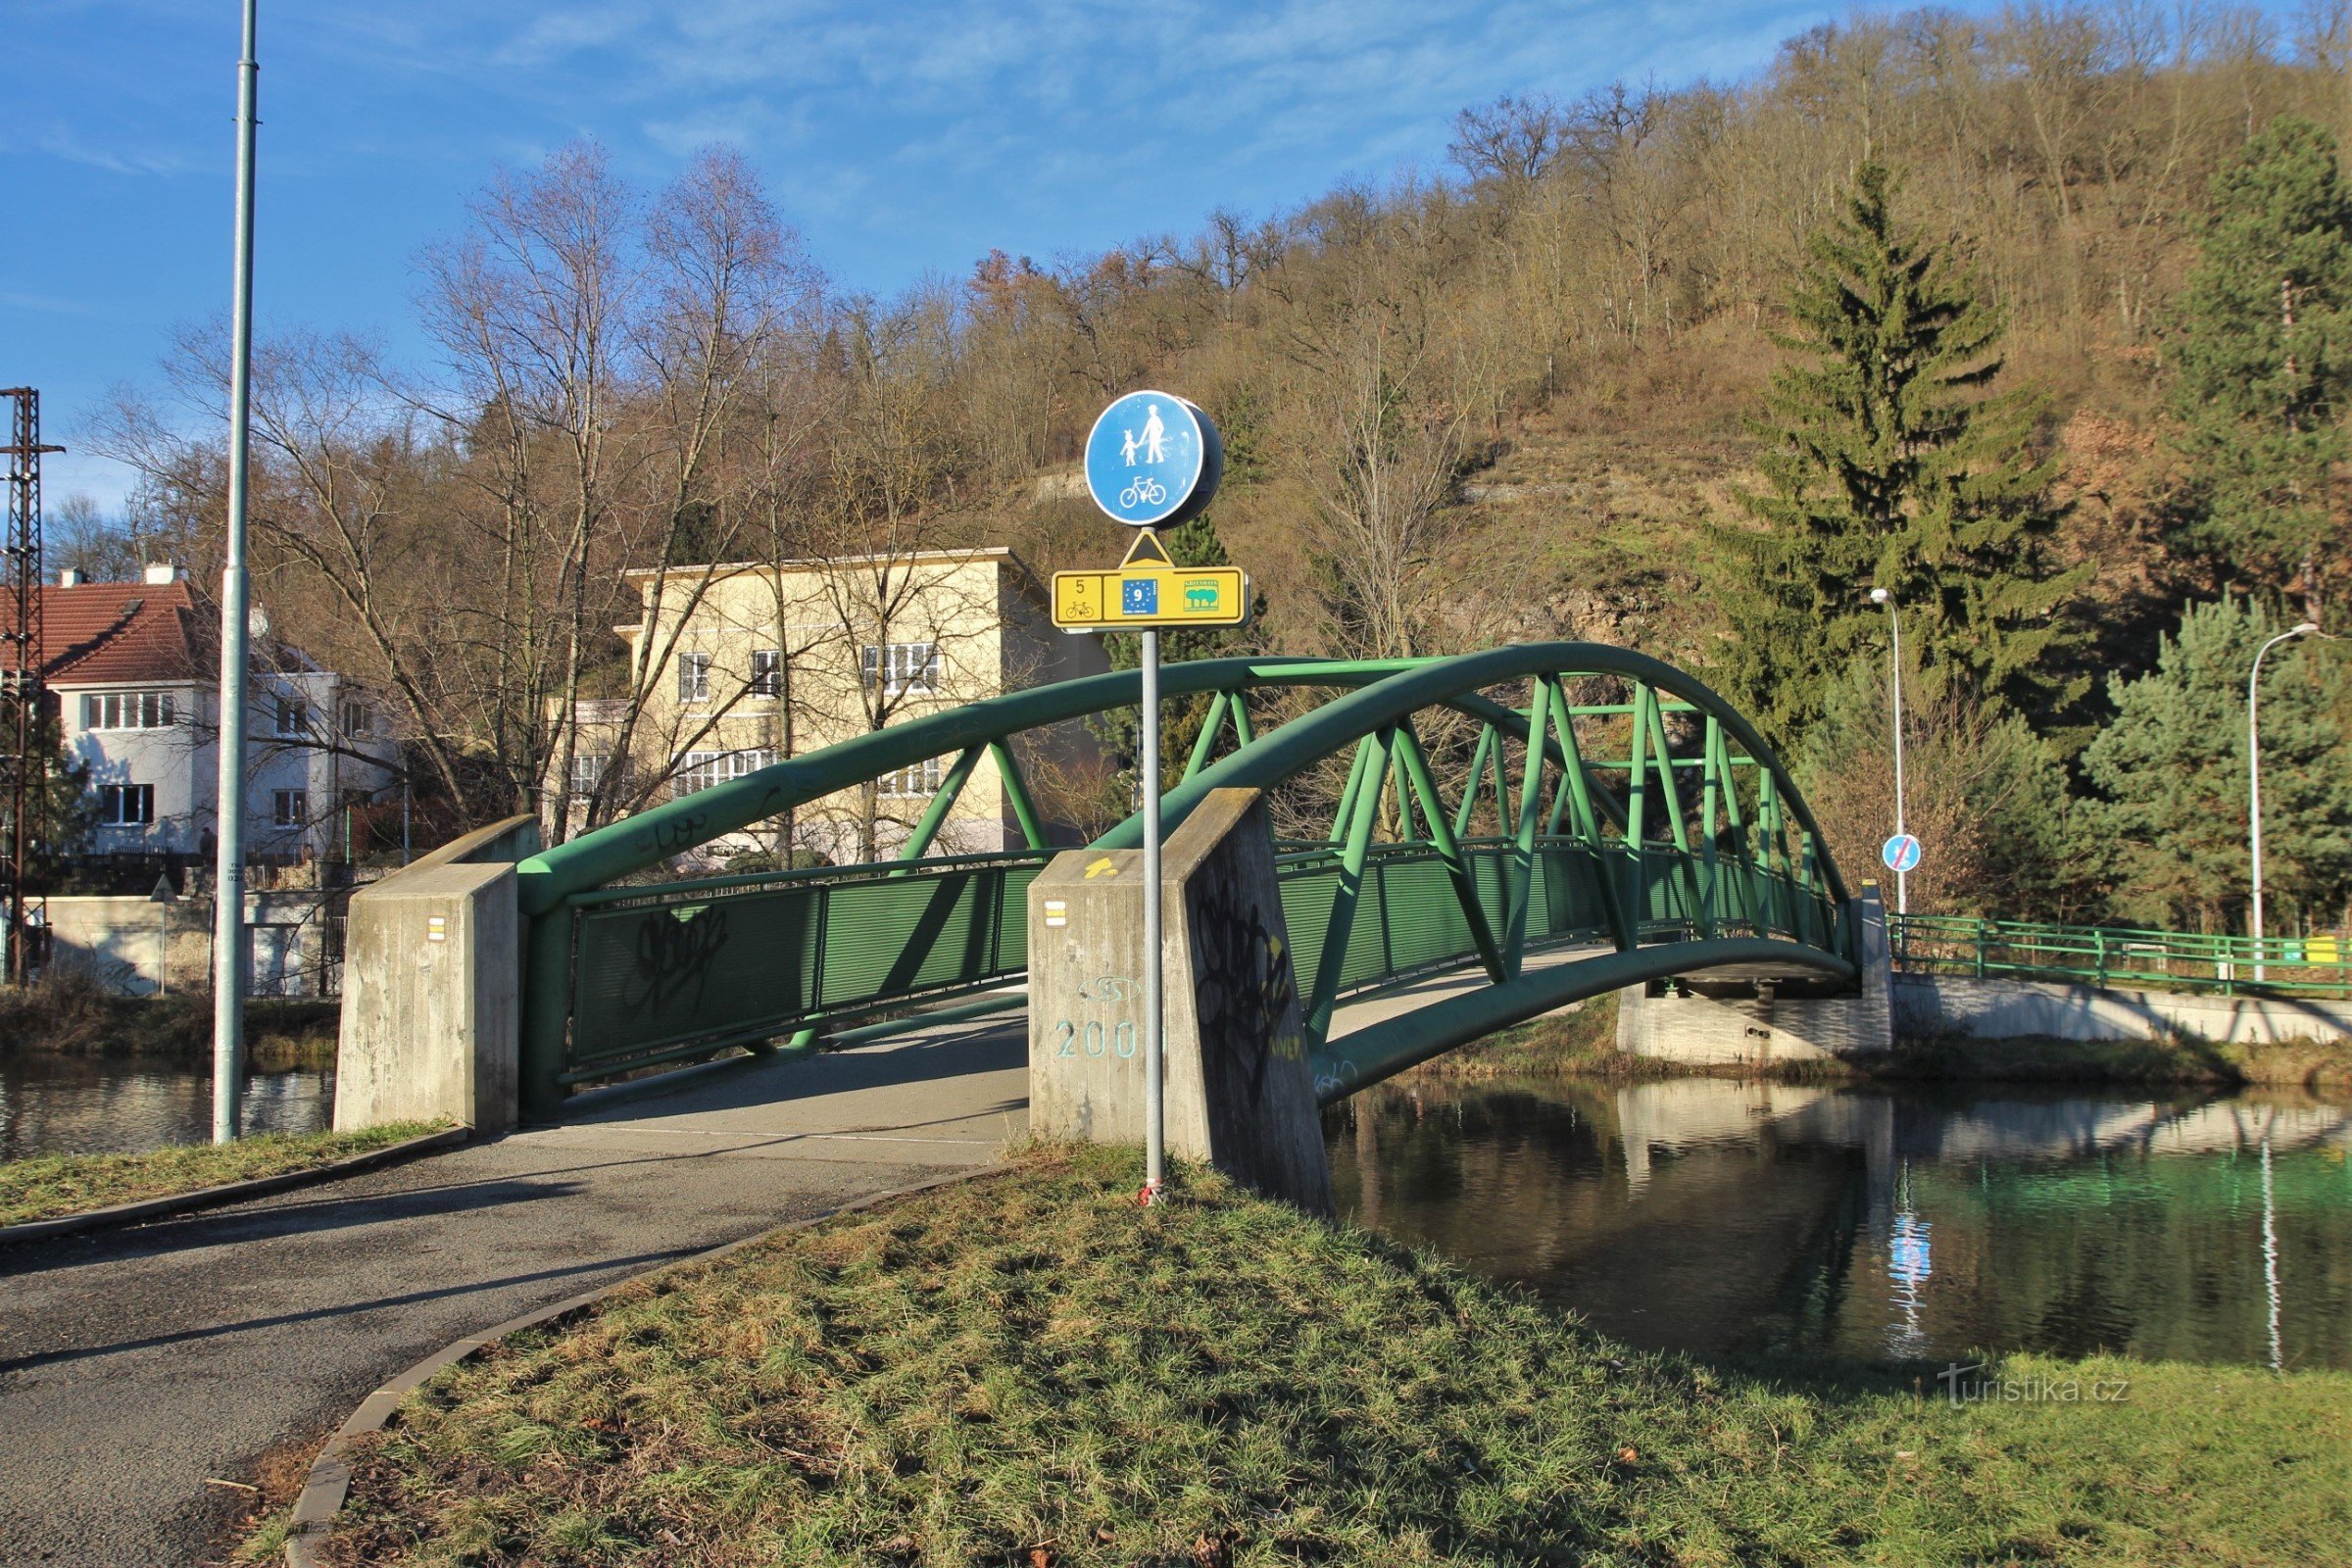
{"type": "Point", "coordinates": [135, 669]}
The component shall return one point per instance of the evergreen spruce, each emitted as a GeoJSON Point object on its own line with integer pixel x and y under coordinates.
{"type": "Point", "coordinates": [2265, 360]}
{"type": "Point", "coordinates": [1889, 465]}
{"type": "Point", "coordinates": [2173, 768]}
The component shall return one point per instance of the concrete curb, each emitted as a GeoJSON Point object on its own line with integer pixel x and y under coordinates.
{"type": "Point", "coordinates": [230, 1191]}
{"type": "Point", "coordinates": [330, 1480]}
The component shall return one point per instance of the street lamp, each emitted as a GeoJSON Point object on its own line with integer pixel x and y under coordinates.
{"type": "Point", "coordinates": [228, 877]}
{"type": "Point", "coordinates": [2254, 772]}
{"type": "Point", "coordinates": [1902, 879]}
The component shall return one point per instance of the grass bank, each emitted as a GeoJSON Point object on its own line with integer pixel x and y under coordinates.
{"type": "Point", "coordinates": [53, 1186]}
{"type": "Point", "coordinates": [72, 1013]}
{"type": "Point", "coordinates": [1030, 1370]}
{"type": "Point", "coordinates": [2285, 1064]}
{"type": "Point", "coordinates": [1579, 1043]}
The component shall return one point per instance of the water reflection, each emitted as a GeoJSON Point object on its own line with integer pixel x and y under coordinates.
{"type": "Point", "coordinates": [61, 1105]}
{"type": "Point", "coordinates": [1725, 1216]}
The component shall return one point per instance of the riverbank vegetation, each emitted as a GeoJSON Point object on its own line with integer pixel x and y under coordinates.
{"type": "Point", "coordinates": [2325, 1065]}
{"type": "Point", "coordinates": [1582, 1044]}
{"type": "Point", "coordinates": [1028, 1369]}
{"type": "Point", "coordinates": [69, 1012]}
{"type": "Point", "coordinates": [53, 1186]}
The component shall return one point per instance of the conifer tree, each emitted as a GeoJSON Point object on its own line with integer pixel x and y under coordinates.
{"type": "Point", "coordinates": [1889, 464]}
{"type": "Point", "coordinates": [2265, 360]}
{"type": "Point", "coordinates": [2171, 766]}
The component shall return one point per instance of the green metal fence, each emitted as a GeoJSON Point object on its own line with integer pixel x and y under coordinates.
{"type": "Point", "coordinates": [2314, 967]}
{"type": "Point", "coordinates": [661, 973]}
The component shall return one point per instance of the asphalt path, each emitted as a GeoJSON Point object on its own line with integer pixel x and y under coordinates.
{"type": "Point", "coordinates": [138, 1365]}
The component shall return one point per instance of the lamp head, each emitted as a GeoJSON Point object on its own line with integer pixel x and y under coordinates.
{"type": "Point", "coordinates": [2305, 628]}
{"type": "Point", "coordinates": [1879, 596]}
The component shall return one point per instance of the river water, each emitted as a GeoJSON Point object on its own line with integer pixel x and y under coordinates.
{"type": "Point", "coordinates": [60, 1105]}
{"type": "Point", "coordinates": [1918, 1224]}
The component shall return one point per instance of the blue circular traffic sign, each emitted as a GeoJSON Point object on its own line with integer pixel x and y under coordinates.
{"type": "Point", "coordinates": [1152, 458]}
{"type": "Point", "coordinates": [1900, 853]}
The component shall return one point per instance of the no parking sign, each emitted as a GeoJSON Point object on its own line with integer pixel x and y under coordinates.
{"type": "Point", "coordinates": [1900, 853]}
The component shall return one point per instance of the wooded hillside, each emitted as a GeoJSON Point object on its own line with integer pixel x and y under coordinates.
{"type": "Point", "coordinates": [1513, 399]}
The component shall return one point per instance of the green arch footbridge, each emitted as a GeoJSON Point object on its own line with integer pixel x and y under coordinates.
{"type": "Point", "coordinates": [1491, 818]}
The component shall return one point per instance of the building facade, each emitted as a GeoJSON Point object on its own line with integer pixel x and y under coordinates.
{"type": "Point", "coordinates": [732, 667]}
{"type": "Point", "coordinates": [133, 668]}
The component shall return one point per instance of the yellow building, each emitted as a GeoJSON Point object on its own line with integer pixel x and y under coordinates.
{"type": "Point", "coordinates": [734, 667]}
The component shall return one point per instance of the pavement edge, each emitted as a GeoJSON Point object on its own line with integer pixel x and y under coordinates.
{"type": "Point", "coordinates": [322, 1495]}
{"type": "Point", "coordinates": [37, 1230]}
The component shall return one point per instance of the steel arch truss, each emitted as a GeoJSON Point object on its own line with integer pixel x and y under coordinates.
{"type": "Point", "coordinates": [1475, 828]}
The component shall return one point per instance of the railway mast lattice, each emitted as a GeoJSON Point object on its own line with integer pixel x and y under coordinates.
{"type": "Point", "coordinates": [22, 706]}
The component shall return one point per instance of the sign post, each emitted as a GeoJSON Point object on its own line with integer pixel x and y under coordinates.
{"type": "Point", "coordinates": [1152, 458]}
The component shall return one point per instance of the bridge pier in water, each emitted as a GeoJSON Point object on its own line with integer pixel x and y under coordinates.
{"type": "Point", "coordinates": [1732, 1017]}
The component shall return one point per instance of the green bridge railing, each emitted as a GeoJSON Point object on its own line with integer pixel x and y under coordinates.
{"type": "Point", "coordinates": [2319, 967]}
{"type": "Point", "coordinates": [1689, 848]}
{"type": "Point", "coordinates": [677, 970]}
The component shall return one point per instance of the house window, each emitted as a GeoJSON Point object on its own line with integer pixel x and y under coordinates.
{"type": "Point", "coordinates": [699, 770]}
{"type": "Point", "coordinates": [126, 805]}
{"type": "Point", "coordinates": [694, 677]}
{"type": "Point", "coordinates": [358, 721]}
{"type": "Point", "coordinates": [293, 716]}
{"type": "Point", "coordinates": [289, 808]}
{"type": "Point", "coordinates": [901, 667]}
{"type": "Point", "coordinates": [910, 783]}
{"type": "Point", "coordinates": [125, 709]}
{"type": "Point", "coordinates": [588, 771]}
{"type": "Point", "coordinates": [767, 672]}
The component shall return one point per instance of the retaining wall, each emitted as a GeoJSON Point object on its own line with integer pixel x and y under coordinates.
{"type": "Point", "coordinates": [2009, 1009]}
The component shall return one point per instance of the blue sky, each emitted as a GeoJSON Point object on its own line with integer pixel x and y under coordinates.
{"type": "Point", "coordinates": [901, 139]}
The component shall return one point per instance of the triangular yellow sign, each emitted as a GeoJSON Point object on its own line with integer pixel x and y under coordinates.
{"type": "Point", "coordinates": [1147, 551]}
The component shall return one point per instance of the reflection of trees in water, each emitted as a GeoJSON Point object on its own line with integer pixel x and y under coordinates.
{"type": "Point", "coordinates": [1531, 1186]}
{"type": "Point", "coordinates": [2161, 1255]}
{"type": "Point", "coordinates": [1810, 1298]}
{"type": "Point", "coordinates": [56, 1103]}
{"type": "Point", "coordinates": [1774, 1231]}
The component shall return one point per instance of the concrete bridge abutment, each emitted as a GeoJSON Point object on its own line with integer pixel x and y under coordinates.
{"type": "Point", "coordinates": [1760, 1022]}
{"type": "Point", "coordinates": [432, 989]}
{"type": "Point", "coordinates": [1240, 1095]}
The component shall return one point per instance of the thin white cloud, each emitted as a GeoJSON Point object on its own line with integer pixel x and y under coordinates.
{"type": "Point", "coordinates": [62, 142]}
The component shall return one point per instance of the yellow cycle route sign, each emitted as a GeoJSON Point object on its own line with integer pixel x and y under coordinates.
{"type": "Point", "coordinates": [1149, 590]}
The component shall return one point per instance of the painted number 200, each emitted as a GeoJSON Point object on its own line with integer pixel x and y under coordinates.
{"type": "Point", "coordinates": [1094, 1038]}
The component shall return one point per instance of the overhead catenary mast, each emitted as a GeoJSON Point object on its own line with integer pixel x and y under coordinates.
{"type": "Point", "coordinates": [22, 720]}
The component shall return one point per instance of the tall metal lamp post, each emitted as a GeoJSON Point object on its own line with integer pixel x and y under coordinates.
{"type": "Point", "coordinates": [1902, 879]}
{"type": "Point", "coordinates": [228, 916]}
{"type": "Point", "coordinates": [2254, 774]}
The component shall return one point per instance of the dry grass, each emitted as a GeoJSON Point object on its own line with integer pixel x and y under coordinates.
{"type": "Point", "coordinates": [51, 1186]}
{"type": "Point", "coordinates": [2280, 1064]}
{"type": "Point", "coordinates": [1028, 1370]}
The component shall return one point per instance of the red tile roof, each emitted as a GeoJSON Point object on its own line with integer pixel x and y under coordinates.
{"type": "Point", "coordinates": [126, 632]}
